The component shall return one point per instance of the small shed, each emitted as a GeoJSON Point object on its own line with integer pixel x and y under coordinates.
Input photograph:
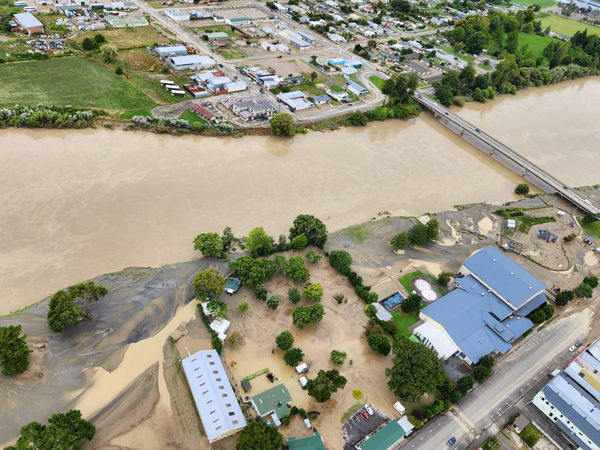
{"type": "Point", "coordinates": [246, 386]}
{"type": "Point", "coordinates": [520, 423]}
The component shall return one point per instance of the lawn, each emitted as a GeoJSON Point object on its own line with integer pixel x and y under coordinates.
{"type": "Point", "coordinates": [535, 43]}
{"type": "Point", "coordinates": [404, 321]}
{"type": "Point", "coordinates": [464, 57]}
{"type": "Point", "coordinates": [562, 25]}
{"type": "Point", "coordinates": [214, 28]}
{"type": "Point", "coordinates": [191, 117]}
{"type": "Point", "coordinates": [530, 435]}
{"type": "Point", "coordinates": [485, 66]}
{"type": "Point", "coordinates": [357, 233]}
{"type": "Point", "coordinates": [136, 112]}
{"type": "Point", "coordinates": [68, 81]}
{"type": "Point", "coordinates": [405, 280]}
{"type": "Point", "coordinates": [377, 81]}
{"type": "Point", "coordinates": [232, 53]}
{"type": "Point", "coordinates": [127, 37]}
{"type": "Point", "coordinates": [542, 3]}
{"type": "Point", "coordinates": [592, 229]}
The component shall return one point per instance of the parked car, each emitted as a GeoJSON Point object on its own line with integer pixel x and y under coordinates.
{"type": "Point", "coordinates": [364, 414]}
{"type": "Point", "coordinates": [451, 441]}
{"type": "Point", "coordinates": [578, 344]}
{"type": "Point", "coordinates": [572, 348]}
{"type": "Point", "coordinates": [369, 409]}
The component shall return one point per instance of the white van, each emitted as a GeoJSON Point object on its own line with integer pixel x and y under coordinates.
{"type": "Point", "coordinates": [302, 368]}
{"type": "Point", "coordinates": [400, 408]}
{"type": "Point", "coordinates": [303, 381]}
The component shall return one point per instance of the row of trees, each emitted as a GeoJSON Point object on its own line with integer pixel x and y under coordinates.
{"type": "Point", "coordinates": [418, 235]}
{"type": "Point", "coordinates": [584, 290]}
{"type": "Point", "coordinates": [47, 116]}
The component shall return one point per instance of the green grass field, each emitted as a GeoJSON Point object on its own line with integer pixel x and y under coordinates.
{"type": "Point", "coordinates": [191, 117]}
{"type": "Point", "coordinates": [404, 321]}
{"type": "Point", "coordinates": [535, 43]}
{"type": "Point", "coordinates": [377, 81]}
{"type": "Point", "coordinates": [592, 229]}
{"type": "Point", "coordinates": [68, 81]}
{"type": "Point", "coordinates": [464, 57]}
{"type": "Point", "coordinates": [542, 3]}
{"type": "Point", "coordinates": [562, 25]}
{"type": "Point", "coordinates": [405, 280]}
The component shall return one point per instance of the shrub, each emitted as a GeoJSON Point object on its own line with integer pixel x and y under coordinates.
{"type": "Point", "coordinates": [339, 298]}
{"type": "Point", "coordinates": [294, 295]}
{"type": "Point", "coordinates": [379, 343]}
{"type": "Point", "coordinates": [522, 189]}
{"type": "Point", "coordinates": [304, 316]}
{"type": "Point", "coordinates": [119, 70]}
{"type": "Point", "coordinates": [341, 261]}
{"type": "Point", "coordinates": [313, 257]}
{"type": "Point", "coordinates": [591, 281]}
{"type": "Point", "coordinates": [285, 420]}
{"type": "Point", "coordinates": [444, 278]}
{"type": "Point", "coordinates": [273, 302]}
{"type": "Point", "coordinates": [293, 357]}
{"type": "Point", "coordinates": [481, 372]}
{"type": "Point", "coordinates": [296, 269]}
{"type": "Point", "coordinates": [465, 384]}
{"type": "Point", "coordinates": [357, 394]}
{"type": "Point", "coordinates": [338, 357]}
{"type": "Point", "coordinates": [564, 297]}
{"type": "Point", "coordinates": [260, 292]}
{"type": "Point", "coordinates": [584, 290]}
{"type": "Point", "coordinates": [313, 292]}
{"type": "Point", "coordinates": [400, 241]}
{"type": "Point", "coordinates": [299, 242]}
{"type": "Point", "coordinates": [284, 340]}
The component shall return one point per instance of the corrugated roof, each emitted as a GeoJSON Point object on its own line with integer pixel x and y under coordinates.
{"type": "Point", "coordinates": [314, 442]}
{"type": "Point", "coordinates": [27, 20]}
{"type": "Point", "coordinates": [504, 276]}
{"type": "Point", "coordinates": [275, 399]}
{"type": "Point", "coordinates": [214, 397]}
{"type": "Point", "coordinates": [383, 439]}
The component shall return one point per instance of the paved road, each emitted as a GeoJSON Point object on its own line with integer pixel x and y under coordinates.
{"type": "Point", "coordinates": [514, 376]}
{"type": "Point", "coordinates": [509, 157]}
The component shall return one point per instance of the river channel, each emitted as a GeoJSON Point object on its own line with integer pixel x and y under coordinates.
{"type": "Point", "coordinates": [78, 203]}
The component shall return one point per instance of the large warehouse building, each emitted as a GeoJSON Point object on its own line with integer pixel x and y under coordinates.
{"type": "Point", "coordinates": [215, 400]}
{"type": "Point", "coordinates": [485, 313]}
{"type": "Point", "coordinates": [572, 399]}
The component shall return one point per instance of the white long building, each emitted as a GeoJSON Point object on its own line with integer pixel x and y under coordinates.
{"type": "Point", "coordinates": [215, 400]}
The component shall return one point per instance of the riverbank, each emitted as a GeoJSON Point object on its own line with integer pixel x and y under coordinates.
{"type": "Point", "coordinates": [111, 367]}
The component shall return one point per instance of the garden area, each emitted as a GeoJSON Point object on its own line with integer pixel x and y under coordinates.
{"type": "Point", "coordinates": [404, 321]}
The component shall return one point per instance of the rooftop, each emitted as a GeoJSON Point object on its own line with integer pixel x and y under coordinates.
{"type": "Point", "coordinates": [383, 439]}
{"type": "Point", "coordinates": [214, 397]}
{"type": "Point", "coordinates": [314, 442]}
{"type": "Point", "coordinates": [504, 276]}
{"type": "Point", "coordinates": [275, 400]}
{"type": "Point", "coordinates": [585, 370]}
{"type": "Point", "coordinates": [27, 20]}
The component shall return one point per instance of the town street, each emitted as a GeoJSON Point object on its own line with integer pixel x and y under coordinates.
{"type": "Point", "coordinates": [533, 359]}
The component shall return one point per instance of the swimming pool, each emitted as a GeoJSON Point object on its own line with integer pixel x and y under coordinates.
{"type": "Point", "coordinates": [392, 301]}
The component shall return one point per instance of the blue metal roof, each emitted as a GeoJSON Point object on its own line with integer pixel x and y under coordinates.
{"type": "Point", "coordinates": [575, 404]}
{"type": "Point", "coordinates": [477, 320]}
{"type": "Point", "coordinates": [534, 303]}
{"type": "Point", "coordinates": [504, 276]}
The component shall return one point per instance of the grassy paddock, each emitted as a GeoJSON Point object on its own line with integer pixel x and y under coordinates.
{"type": "Point", "coordinates": [126, 37]}
{"type": "Point", "coordinates": [535, 43]}
{"type": "Point", "coordinates": [67, 81]}
{"type": "Point", "coordinates": [562, 25]}
{"type": "Point", "coordinates": [542, 3]}
{"type": "Point", "coordinates": [592, 229]}
{"type": "Point", "coordinates": [377, 81]}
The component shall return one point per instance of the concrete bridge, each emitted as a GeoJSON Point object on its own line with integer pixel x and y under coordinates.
{"type": "Point", "coordinates": [503, 154]}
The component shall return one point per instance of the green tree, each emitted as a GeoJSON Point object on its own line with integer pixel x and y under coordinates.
{"type": "Point", "coordinates": [584, 290]}
{"type": "Point", "coordinates": [299, 242]}
{"type": "Point", "coordinates": [100, 39]}
{"type": "Point", "coordinates": [357, 119]}
{"type": "Point", "coordinates": [63, 310]}
{"type": "Point", "coordinates": [260, 292]}
{"type": "Point", "coordinates": [311, 227]}
{"type": "Point", "coordinates": [522, 189]}
{"type": "Point", "coordinates": [444, 278]}
{"type": "Point", "coordinates": [65, 431]}
{"type": "Point", "coordinates": [313, 292]}
{"type": "Point", "coordinates": [258, 435]}
{"type": "Point", "coordinates": [444, 94]}
{"type": "Point", "coordinates": [259, 243]}
{"type": "Point", "coordinates": [14, 353]}
{"type": "Point", "coordinates": [480, 373]}
{"type": "Point", "coordinates": [273, 302]}
{"type": "Point", "coordinates": [418, 235]}
{"type": "Point", "coordinates": [416, 369]}
{"type": "Point", "coordinates": [412, 304]}
{"type": "Point", "coordinates": [282, 124]}
{"type": "Point", "coordinates": [400, 88]}
{"type": "Point", "coordinates": [293, 357]}
{"type": "Point", "coordinates": [227, 239]}
{"type": "Point", "coordinates": [209, 244]}
{"type": "Point", "coordinates": [325, 384]}
{"type": "Point", "coordinates": [564, 297]}
{"type": "Point", "coordinates": [313, 76]}
{"type": "Point", "coordinates": [341, 261]}
{"type": "Point", "coordinates": [89, 44]}
{"type": "Point", "coordinates": [284, 340]}
{"type": "Point", "coordinates": [243, 308]}
{"type": "Point", "coordinates": [304, 316]}
{"type": "Point", "coordinates": [209, 283]}
{"type": "Point", "coordinates": [296, 270]}
{"type": "Point", "coordinates": [379, 343]}
{"type": "Point", "coordinates": [109, 53]}
{"type": "Point", "coordinates": [338, 357]}
{"type": "Point", "coordinates": [235, 339]}
{"type": "Point", "coordinates": [217, 308]}
{"type": "Point", "coordinates": [591, 281]}
{"type": "Point", "coordinates": [433, 229]}
{"type": "Point", "coordinates": [399, 241]}
{"type": "Point", "coordinates": [465, 384]}
{"type": "Point", "coordinates": [294, 295]}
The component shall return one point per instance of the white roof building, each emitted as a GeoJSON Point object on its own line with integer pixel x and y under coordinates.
{"type": "Point", "coordinates": [295, 100]}
{"type": "Point", "coordinates": [178, 15]}
{"type": "Point", "coordinates": [192, 62]}
{"type": "Point", "coordinates": [214, 397]}
{"type": "Point", "coordinates": [435, 337]}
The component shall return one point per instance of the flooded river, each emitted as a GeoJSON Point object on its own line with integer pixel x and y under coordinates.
{"type": "Point", "coordinates": [76, 204]}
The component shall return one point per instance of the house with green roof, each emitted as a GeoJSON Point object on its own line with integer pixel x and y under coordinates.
{"type": "Point", "coordinates": [384, 438]}
{"type": "Point", "coordinates": [314, 442]}
{"type": "Point", "coordinates": [275, 400]}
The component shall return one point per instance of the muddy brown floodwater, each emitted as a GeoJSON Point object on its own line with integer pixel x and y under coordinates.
{"type": "Point", "coordinates": [79, 203]}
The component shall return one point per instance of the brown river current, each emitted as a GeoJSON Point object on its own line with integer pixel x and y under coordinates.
{"type": "Point", "coordinates": [75, 204]}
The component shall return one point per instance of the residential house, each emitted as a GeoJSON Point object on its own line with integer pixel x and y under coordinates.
{"type": "Point", "coordinates": [295, 100]}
